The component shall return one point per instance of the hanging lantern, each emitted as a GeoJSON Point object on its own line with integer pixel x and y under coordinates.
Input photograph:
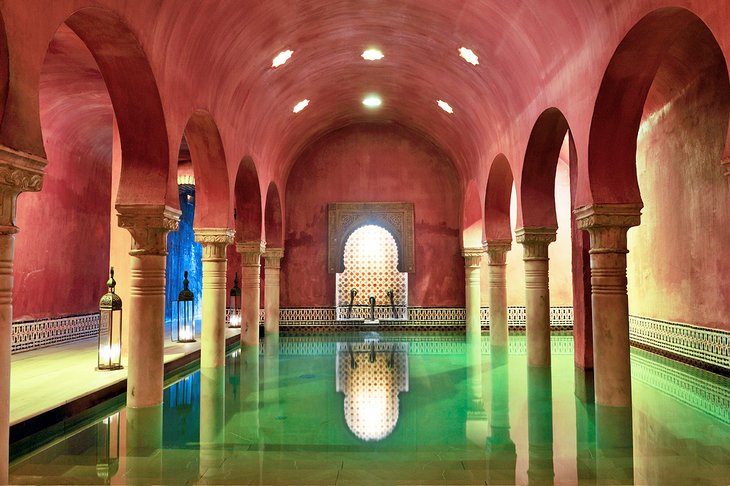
{"type": "Point", "coordinates": [107, 448]}
{"type": "Point", "coordinates": [110, 328]}
{"type": "Point", "coordinates": [185, 314]}
{"type": "Point", "coordinates": [234, 303]}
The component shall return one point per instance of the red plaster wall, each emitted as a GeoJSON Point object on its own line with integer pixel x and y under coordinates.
{"type": "Point", "coordinates": [371, 163]}
{"type": "Point", "coordinates": [677, 264]}
{"type": "Point", "coordinates": [62, 250]}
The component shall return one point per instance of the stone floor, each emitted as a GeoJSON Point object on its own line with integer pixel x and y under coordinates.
{"type": "Point", "coordinates": [39, 379]}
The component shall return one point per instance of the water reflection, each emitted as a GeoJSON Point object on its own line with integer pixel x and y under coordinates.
{"type": "Point", "coordinates": [212, 417]}
{"type": "Point", "coordinates": [501, 451]}
{"type": "Point", "coordinates": [273, 416]}
{"type": "Point", "coordinates": [107, 447]}
{"type": "Point", "coordinates": [371, 374]}
{"type": "Point", "coordinates": [540, 425]}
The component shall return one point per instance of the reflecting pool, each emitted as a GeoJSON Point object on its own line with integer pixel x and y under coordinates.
{"type": "Point", "coordinates": [403, 408]}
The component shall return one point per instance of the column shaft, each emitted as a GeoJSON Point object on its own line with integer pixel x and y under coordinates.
{"type": "Point", "coordinates": [272, 258]}
{"type": "Point", "coordinates": [7, 248]}
{"type": "Point", "coordinates": [497, 274]}
{"type": "Point", "coordinates": [250, 290]}
{"type": "Point", "coordinates": [472, 260]}
{"type": "Point", "coordinates": [19, 172]}
{"type": "Point", "coordinates": [148, 226]}
{"type": "Point", "coordinates": [535, 242]}
{"type": "Point", "coordinates": [213, 332]}
{"type": "Point", "coordinates": [607, 226]}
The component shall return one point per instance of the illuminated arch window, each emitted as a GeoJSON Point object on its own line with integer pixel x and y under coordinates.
{"type": "Point", "coordinates": [371, 267]}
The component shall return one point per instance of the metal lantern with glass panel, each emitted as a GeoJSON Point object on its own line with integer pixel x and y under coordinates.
{"type": "Point", "coordinates": [234, 303]}
{"type": "Point", "coordinates": [185, 314]}
{"type": "Point", "coordinates": [109, 356]}
{"type": "Point", "coordinates": [107, 448]}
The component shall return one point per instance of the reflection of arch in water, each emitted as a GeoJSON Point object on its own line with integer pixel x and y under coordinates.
{"type": "Point", "coordinates": [371, 266]}
{"type": "Point", "coordinates": [371, 375]}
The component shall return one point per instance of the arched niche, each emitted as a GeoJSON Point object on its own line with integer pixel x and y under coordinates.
{"type": "Point", "coordinates": [344, 218]}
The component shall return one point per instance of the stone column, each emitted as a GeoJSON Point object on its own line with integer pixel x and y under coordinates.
{"type": "Point", "coordinates": [148, 225]}
{"type": "Point", "coordinates": [472, 261]}
{"type": "Point", "coordinates": [250, 289]}
{"type": "Point", "coordinates": [607, 225]}
{"type": "Point", "coordinates": [497, 271]}
{"type": "Point", "coordinates": [213, 332]}
{"type": "Point", "coordinates": [19, 172]}
{"type": "Point", "coordinates": [535, 242]}
{"type": "Point", "coordinates": [272, 258]}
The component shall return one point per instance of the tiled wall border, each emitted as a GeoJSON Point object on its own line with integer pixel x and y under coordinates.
{"type": "Point", "coordinates": [698, 346]}
{"type": "Point", "coordinates": [560, 317]}
{"type": "Point", "coordinates": [29, 335]}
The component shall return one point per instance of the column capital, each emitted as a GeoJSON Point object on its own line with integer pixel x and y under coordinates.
{"type": "Point", "coordinates": [496, 251]}
{"type": "Point", "coordinates": [214, 242]}
{"type": "Point", "coordinates": [251, 252]}
{"type": "Point", "coordinates": [535, 241]}
{"type": "Point", "coordinates": [148, 224]}
{"type": "Point", "coordinates": [472, 256]}
{"type": "Point", "coordinates": [273, 256]}
{"type": "Point", "coordinates": [19, 172]}
{"type": "Point", "coordinates": [608, 224]}
{"type": "Point", "coordinates": [215, 236]}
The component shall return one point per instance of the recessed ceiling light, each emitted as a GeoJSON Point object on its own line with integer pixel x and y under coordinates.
{"type": "Point", "coordinates": [300, 106]}
{"type": "Point", "coordinates": [372, 55]}
{"type": "Point", "coordinates": [468, 55]}
{"type": "Point", "coordinates": [281, 58]}
{"type": "Point", "coordinates": [445, 106]}
{"type": "Point", "coordinates": [372, 101]}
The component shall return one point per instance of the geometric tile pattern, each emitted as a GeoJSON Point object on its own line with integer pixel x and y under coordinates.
{"type": "Point", "coordinates": [560, 317]}
{"type": "Point", "coordinates": [28, 335]}
{"type": "Point", "coordinates": [371, 267]}
{"type": "Point", "coordinates": [697, 345]}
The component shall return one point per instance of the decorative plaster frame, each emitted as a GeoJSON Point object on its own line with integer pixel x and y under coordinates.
{"type": "Point", "coordinates": [397, 218]}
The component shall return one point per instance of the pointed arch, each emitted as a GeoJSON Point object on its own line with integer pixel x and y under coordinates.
{"type": "Point", "coordinates": [247, 193]}
{"type": "Point", "coordinates": [621, 101]}
{"type": "Point", "coordinates": [273, 218]}
{"type": "Point", "coordinates": [135, 98]}
{"type": "Point", "coordinates": [537, 183]}
{"type": "Point", "coordinates": [471, 217]}
{"type": "Point", "coordinates": [211, 174]}
{"type": "Point", "coordinates": [497, 200]}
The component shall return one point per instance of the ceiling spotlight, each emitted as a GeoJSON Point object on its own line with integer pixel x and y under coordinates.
{"type": "Point", "coordinates": [372, 55]}
{"type": "Point", "coordinates": [372, 101]}
{"type": "Point", "coordinates": [468, 55]}
{"type": "Point", "coordinates": [300, 106]}
{"type": "Point", "coordinates": [445, 106]}
{"type": "Point", "coordinates": [281, 58]}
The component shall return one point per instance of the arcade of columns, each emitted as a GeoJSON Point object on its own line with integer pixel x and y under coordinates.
{"type": "Point", "coordinates": [149, 225]}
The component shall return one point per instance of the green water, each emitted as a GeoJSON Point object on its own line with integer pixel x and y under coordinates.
{"type": "Point", "coordinates": [411, 409]}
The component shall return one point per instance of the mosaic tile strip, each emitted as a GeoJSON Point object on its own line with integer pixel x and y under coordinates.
{"type": "Point", "coordinates": [700, 390]}
{"type": "Point", "coordinates": [697, 345]}
{"type": "Point", "coordinates": [381, 312]}
{"type": "Point", "coordinates": [29, 335]}
{"type": "Point", "coordinates": [560, 317]}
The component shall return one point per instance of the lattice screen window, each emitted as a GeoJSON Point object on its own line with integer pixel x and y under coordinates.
{"type": "Point", "coordinates": [371, 266]}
